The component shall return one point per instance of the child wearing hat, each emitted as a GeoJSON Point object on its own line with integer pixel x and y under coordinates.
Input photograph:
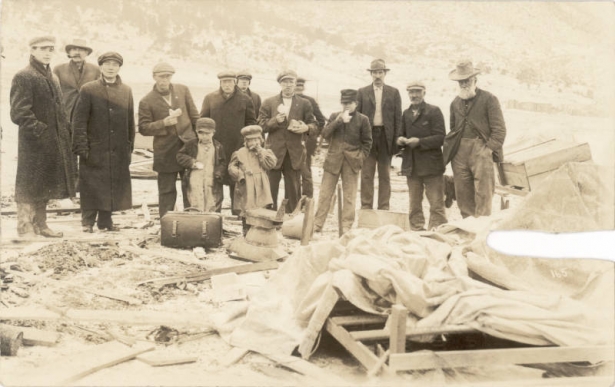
{"type": "Point", "coordinates": [248, 169]}
{"type": "Point", "coordinates": [205, 165]}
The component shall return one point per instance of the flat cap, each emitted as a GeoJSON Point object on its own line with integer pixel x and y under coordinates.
{"type": "Point", "coordinates": [110, 55]}
{"type": "Point", "coordinates": [300, 81]}
{"type": "Point", "coordinates": [415, 85]}
{"type": "Point", "coordinates": [42, 41]}
{"type": "Point", "coordinates": [349, 95]}
{"type": "Point", "coordinates": [252, 131]}
{"type": "Point", "coordinates": [163, 67]}
{"type": "Point", "coordinates": [286, 74]}
{"type": "Point", "coordinates": [226, 74]}
{"type": "Point", "coordinates": [205, 124]}
{"type": "Point", "coordinates": [244, 74]}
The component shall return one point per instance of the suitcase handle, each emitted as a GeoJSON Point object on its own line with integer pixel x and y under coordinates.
{"type": "Point", "coordinates": [204, 230]}
{"type": "Point", "coordinates": [192, 209]}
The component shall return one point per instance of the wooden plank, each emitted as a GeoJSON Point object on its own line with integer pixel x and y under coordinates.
{"type": "Point", "coordinates": [554, 160]}
{"type": "Point", "coordinates": [308, 222]}
{"type": "Point", "coordinates": [340, 200]}
{"type": "Point", "coordinates": [233, 356]}
{"type": "Point", "coordinates": [541, 151]}
{"type": "Point", "coordinates": [162, 358]}
{"type": "Point", "coordinates": [397, 342]}
{"type": "Point", "coordinates": [383, 358]}
{"type": "Point", "coordinates": [384, 334]}
{"type": "Point", "coordinates": [70, 209]}
{"type": "Point", "coordinates": [114, 296]}
{"type": "Point", "coordinates": [33, 336]}
{"type": "Point", "coordinates": [449, 359]}
{"type": "Point", "coordinates": [536, 180]}
{"type": "Point", "coordinates": [358, 320]}
{"type": "Point", "coordinates": [189, 260]}
{"type": "Point", "coordinates": [517, 179]}
{"type": "Point", "coordinates": [499, 189]}
{"type": "Point", "coordinates": [101, 239]}
{"type": "Point", "coordinates": [308, 369]}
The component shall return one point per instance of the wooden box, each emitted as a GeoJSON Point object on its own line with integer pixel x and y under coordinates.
{"type": "Point", "coordinates": [527, 166]}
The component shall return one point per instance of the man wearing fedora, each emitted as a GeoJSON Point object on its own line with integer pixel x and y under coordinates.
{"type": "Point", "coordinates": [103, 137]}
{"type": "Point", "coordinates": [421, 138]}
{"type": "Point", "coordinates": [45, 168]}
{"type": "Point", "coordinates": [232, 110]}
{"type": "Point", "coordinates": [244, 79]}
{"type": "Point", "coordinates": [350, 139]}
{"type": "Point", "coordinates": [287, 118]}
{"type": "Point", "coordinates": [474, 143]}
{"type": "Point", "coordinates": [382, 105]}
{"type": "Point", "coordinates": [169, 114]}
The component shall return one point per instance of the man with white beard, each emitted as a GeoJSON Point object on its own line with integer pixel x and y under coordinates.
{"type": "Point", "coordinates": [474, 142]}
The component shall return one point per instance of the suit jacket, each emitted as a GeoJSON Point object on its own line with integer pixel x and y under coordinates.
{"type": "Point", "coordinates": [351, 141]}
{"type": "Point", "coordinates": [168, 140]}
{"type": "Point", "coordinates": [485, 115]}
{"type": "Point", "coordinates": [280, 140]}
{"type": "Point", "coordinates": [71, 81]}
{"type": "Point", "coordinates": [428, 126]}
{"type": "Point", "coordinates": [311, 143]}
{"type": "Point", "coordinates": [391, 111]}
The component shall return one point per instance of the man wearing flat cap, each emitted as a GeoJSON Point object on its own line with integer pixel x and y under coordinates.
{"type": "Point", "coordinates": [45, 167]}
{"type": "Point", "coordinates": [244, 79]}
{"type": "Point", "coordinates": [350, 139]}
{"type": "Point", "coordinates": [288, 119]}
{"type": "Point", "coordinates": [311, 142]}
{"type": "Point", "coordinates": [474, 142]}
{"type": "Point", "coordinates": [103, 137]}
{"type": "Point", "coordinates": [382, 105]}
{"type": "Point", "coordinates": [232, 110]}
{"type": "Point", "coordinates": [169, 114]}
{"type": "Point", "coordinates": [421, 138]}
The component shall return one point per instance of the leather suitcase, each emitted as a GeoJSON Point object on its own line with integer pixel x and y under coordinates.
{"type": "Point", "coordinates": [191, 228]}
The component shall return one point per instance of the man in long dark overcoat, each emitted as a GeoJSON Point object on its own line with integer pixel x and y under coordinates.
{"type": "Point", "coordinates": [172, 128]}
{"type": "Point", "coordinates": [232, 110]}
{"type": "Point", "coordinates": [103, 137]}
{"type": "Point", "coordinates": [44, 162]}
{"type": "Point", "coordinates": [244, 79]}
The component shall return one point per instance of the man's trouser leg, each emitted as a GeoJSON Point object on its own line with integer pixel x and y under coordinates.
{"type": "Point", "coordinates": [307, 185]}
{"type": "Point", "coordinates": [415, 191]}
{"type": "Point", "coordinates": [167, 192]}
{"type": "Point", "coordinates": [368, 172]}
{"type": "Point", "coordinates": [484, 179]}
{"type": "Point", "coordinates": [232, 193]}
{"type": "Point", "coordinates": [292, 180]}
{"type": "Point", "coordinates": [40, 216]}
{"type": "Point", "coordinates": [464, 178]}
{"type": "Point", "coordinates": [434, 190]}
{"type": "Point", "coordinates": [384, 173]}
{"type": "Point", "coordinates": [327, 189]}
{"type": "Point", "coordinates": [88, 217]}
{"type": "Point", "coordinates": [350, 183]}
{"type": "Point", "coordinates": [25, 218]}
{"type": "Point", "coordinates": [275, 175]}
{"type": "Point", "coordinates": [104, 220]}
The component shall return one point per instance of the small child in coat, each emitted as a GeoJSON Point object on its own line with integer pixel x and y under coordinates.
{"type": "Point", "coordinates": [205, 165]}
{"type": "Point", "coordinates": [248, 169]}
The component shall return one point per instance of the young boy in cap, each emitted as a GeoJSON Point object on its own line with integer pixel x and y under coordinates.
{"type": "Point", "coordinates": [350, 140]}
{"type": "Point", "coordinates": [205, 164]}
{"type": "Point", "coordinates": [248, 169]}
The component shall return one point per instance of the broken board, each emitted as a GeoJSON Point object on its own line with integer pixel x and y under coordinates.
{"type": "Point", "coordinates": [33, 336]}
{"type": "Point", "coordinates": [163, 358]}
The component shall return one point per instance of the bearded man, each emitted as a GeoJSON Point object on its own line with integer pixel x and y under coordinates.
{"type": "Point", "coordinates": [474, 143]}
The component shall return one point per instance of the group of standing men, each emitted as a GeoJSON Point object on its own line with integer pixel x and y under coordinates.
{"type": "Point", "coordinates": [88, 110]}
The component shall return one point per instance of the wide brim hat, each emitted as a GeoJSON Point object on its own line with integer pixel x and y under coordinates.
{"type": "Point", "coordinates": [377, 65]}
{"type": "Point", "coordinates": [78, 43]}
{"type": "Point", "coordinates": [464, 70]}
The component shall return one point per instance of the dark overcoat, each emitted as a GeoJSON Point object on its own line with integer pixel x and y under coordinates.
{"type": "Point", "coordinates": [391, 111]}
{"type": "Point", "coordinates": [428, 127]}
{"type": "Point", "coordinates": [187, 156]}
{"type": "Point", "coordinates": [103, 135]}
{"type": "Point", "coordinates": [168, 140]}
{"type": "Point", "coordinates": [45, 169]}
{"type": "Point", "coordinates": [311, 142]}
{"type": "Point", "coordinates": [351, 141]}
{"type": "Point", "coordinates": [256, 100]}
{"type": "Point", "coordinates": [280, 140]}
{"type": "Point", "coordinates": [71, 80]}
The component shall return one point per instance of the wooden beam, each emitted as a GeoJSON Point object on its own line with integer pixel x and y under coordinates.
{"type": "Point", "coordinates": [33, 336]}
{"type": "Point", "coordinates": [114, 296]}
{"type": "Point", "coordinates": [358, 320]}
{"type": "Point", "coordinates": [70, 209]}
{"type": "Point", "coordinates": [384, 334]}
{"type": "Point", "coordinates": [308, 369]}
{"type": "Point", "coordinates": [308, 222]}
{"type": "Point", "coordinates": [340, 200]}
{"type": "Point", "coordinates": [189, 260]}
{"type": "Point", "coordinates": [374, 371]}
{"type": "Point", "coordinates": [161, 358]}
{"type": "Point", "coordinates": [397, 342]}
{"type": "Point", "coordinates": [450, 359]}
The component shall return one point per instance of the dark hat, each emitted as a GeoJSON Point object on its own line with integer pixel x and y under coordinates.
{"type": "Point", "coordinates": [300, 81]}
{"type": "Point", "coordinates": [78, 43]}
{"type": "Point", "coordinates": [349, 95]}
{"type": "Point", "coordinates": [285, 74]}
{"type": "Point", "coordinates": [415, 85]}
{"type": "Point", "coordinates": [205, 125]}
{"type": "Point", "coordinates": [464, 70]}
{"type": "Point", "coordinates": [226, 74]}
{"type": "Point", "coordinates": [110, 55]}
{"type": "Point", "coordinates": [42, 41]}
{"type": "Point", "coordinates": [252, 131]}
{"type": "Point", "coordinates": [377, 65]}
{"type": "Point", "coordinates": [163, 67]}
{"type": "Point", "coordinates": [244, 74]}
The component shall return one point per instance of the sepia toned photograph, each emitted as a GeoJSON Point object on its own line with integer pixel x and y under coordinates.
{"type": "Point", "coordinates": [301, 193]}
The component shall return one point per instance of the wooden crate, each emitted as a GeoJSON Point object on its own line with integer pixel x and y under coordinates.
{"type": "Point", "coordinates": [528, 166]}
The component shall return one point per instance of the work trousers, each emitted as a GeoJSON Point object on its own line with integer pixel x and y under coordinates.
{"type": "Point", "coordinates": [307, 184]}
{"type": "Point", "coordinates": [88, 218]}
{"type": "Point", "coordinates": [474, 177]}
{"type": "Point", "coordinates": [167, 191]}
{"type": "Point", "coordinates": [31, 216]}
{"type": "Point", "coordinates": [291, 184]}
{"type": "Point", "coordinates": [378, 155]}
{"type": "Point", "coordinates": [350, 182]}
{"type": "Point", "coordinates": [433, 187]}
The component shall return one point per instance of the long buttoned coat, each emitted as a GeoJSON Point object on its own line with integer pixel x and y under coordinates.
{"type": "Point", "coordinates": [71, 80]}
{"type": "Point", "coordinates": [45, 169]}
{"type": "Point", "coordinates": [248, 170]}
{"type": "Point", "coordinates": [280, 140]}
{"type": "Point", "coordinates": [104, 130]}
{"type": "Point", "coordinates": [351, 141]}
{"type": "Point", "coordinates": [428, 126]}
{"type": "Point", "coordinates": [391, 111]}
{"type": "Point", "coordinates": [168, 140]}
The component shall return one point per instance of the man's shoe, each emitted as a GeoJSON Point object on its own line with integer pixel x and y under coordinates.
{"type": "Point", "coordinates": [89, 229]}
{"type": "Point", "coordinates": [113, 227]}
{"type": "Point", "coordinates": [49, 233]}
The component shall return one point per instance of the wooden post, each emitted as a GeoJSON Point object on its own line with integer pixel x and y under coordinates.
{"type": "Point", "coordinates": [397, 343]}
{"type": "Point", "coordinates": [308, 222]}
{"type": "Point", "coordinates": [339, 209]}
